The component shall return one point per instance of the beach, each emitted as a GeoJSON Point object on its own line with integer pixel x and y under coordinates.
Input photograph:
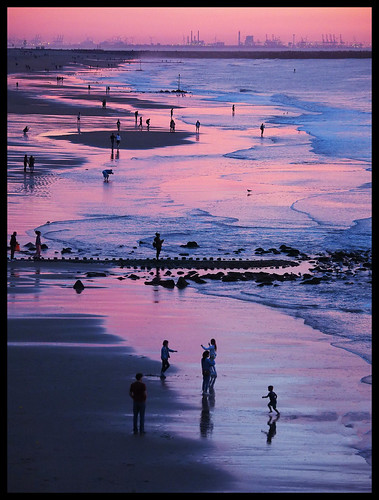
{"type": "Point", "coordinates": [72, 355]}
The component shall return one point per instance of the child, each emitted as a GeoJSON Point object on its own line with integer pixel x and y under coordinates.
{"type": "Point", "coordinates": [273, 397]}
{"type": "Point", "coordinates": [106, 174]}
{"type": "Point", "coordinates": [165, 354]}
{"type": "Point", "coordinates": [206, 368]}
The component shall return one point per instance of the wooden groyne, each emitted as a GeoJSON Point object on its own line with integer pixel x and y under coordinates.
{"type": "Point", "coordinates": [168, 263]}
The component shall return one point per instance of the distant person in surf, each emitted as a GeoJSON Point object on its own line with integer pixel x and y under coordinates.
{"type": "Point", "coordinates": [262, 127]}
{"type": "Point", "coordinates": [157, 244]}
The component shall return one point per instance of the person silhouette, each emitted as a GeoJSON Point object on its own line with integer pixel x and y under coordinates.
{"type": "Point", "coordinates": [157, 244]}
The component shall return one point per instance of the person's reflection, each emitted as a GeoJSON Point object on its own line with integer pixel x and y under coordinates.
{"type": "Point", "coordinates": [206, 424]}
{"type": "Point", "coordinates": [271, 428]}
{"type": "Point", "coordinates": [156, 281]}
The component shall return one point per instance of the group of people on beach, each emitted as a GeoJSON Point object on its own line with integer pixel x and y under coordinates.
{"type": "Point", "coordinates": [138, 390]}
{"type": "Point", "coordinates": [15, 245]}
{"type": "Point", "coordinates": [29, 162]}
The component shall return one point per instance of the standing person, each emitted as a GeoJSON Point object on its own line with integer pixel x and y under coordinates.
{"type": "Point", "coordinates": [118, 125]}
{"type": "Point", "coordinates": [13, 244]}
{"type": "Point", "coordinates": [37, 255]}
{"type": "Point", "coordinates": [233, 109]}
{"type": "Point", "coordinates": [106, 173]}
{"type": "Point", "coordinates": [138, 393]}
{"type": "Point", "coordinates": [118, 140]}
{"type": "Point", "coordinates": [172, 126]}
{"type": "Point", "coordinates": [262, 127]}
{"type": "Point", "coordinates": [197, 126]}
{"type": "Point", "coordinates": [157, 244]}
{"type": "Point", "coordinates": [148, 123]}
{"type": "Point", "coordinates": [172, 112]}
{"type": "Point", "coordinates": [25, 162]}
{"type": "Point", "coordinates": [31, 163]}
{"type": "Point", "coordinates": [273, 398]}
{"type": "Point", "coordinates": [112, 137]}
{"type": "Point", "coordinates": [165, 354]}
{"type": "Point", "coordinates": [136, 116]}
{"type": "Point", "coordinates": [206, 366]}
{"type": "Point", "coordinates": [212, 348]}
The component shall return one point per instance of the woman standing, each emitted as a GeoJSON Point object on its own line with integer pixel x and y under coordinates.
{"type": "Point", "coordinates": [212, 348]}
{"type": "Point", "coordinates": [13, 243]}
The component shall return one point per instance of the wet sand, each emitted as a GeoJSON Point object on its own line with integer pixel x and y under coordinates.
{"type": "Point", "coordinates": [71, 358]}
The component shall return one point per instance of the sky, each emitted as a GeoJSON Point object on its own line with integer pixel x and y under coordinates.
{"type": "Point", "coordinates": [172, 25]}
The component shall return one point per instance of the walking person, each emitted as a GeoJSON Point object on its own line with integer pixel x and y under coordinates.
{"type": "Point", "coordinates": [165, 354]}
{"type": "Point", "coordinates": [138, 393]}
{"type": "Point", "coordinates": [112, 138]}
{"type": "Point", "coordinates": [197, 126]}
{"type": "Point", "coordinates": [118, 140]}
{"type": "Point", "coordinates": [206, 366]}
{"type": "Point", "coordinates": [212, 348]}
{"type": "Point", "coordinates": [31, 163]}
{"type": "Point", "coordinates": [118, 125]}
{"type": "Point", "coordinates": [37, 255]}
{"type": "Point", "coordinates": [262, 127]}
{"type": "Point", "coordinates": [157, 244]}
{"type": "Point", "coordinates": [272, 399]}
{"type": "Point", "coordinates": [25, 162]}
{"type": "Point", "coordinates": [13, 243]}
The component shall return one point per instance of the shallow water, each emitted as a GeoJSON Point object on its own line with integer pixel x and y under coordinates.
{"type": "Point", "coordinates": [306, 183]}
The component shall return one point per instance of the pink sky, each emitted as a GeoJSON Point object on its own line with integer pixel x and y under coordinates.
{"type": "Point", "coordinates": [173, 25]}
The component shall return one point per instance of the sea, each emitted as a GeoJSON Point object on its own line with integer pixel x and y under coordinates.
{"type": "Point", "coordinates": [306, 183]}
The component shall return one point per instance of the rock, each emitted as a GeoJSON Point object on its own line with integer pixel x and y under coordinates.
{"type": "Point", "coordinates": [215, 276]}
{"type": "Point", "coordinates": [167, 283]}
{"type": "Point", "coordinates": [66, 250]}
{"type": "Point", "coordinates": [95, 274]}
{"type": "Point", "coordinates": [190, 244]}
{"type": "Point", "coordinates": [194, 276]}
{"type": "Point", "coordinates": [312, 281]}
{"type": "Point", "coordinates": [182, 283]}
{"type": "Point", "coordinates": [78, 286]}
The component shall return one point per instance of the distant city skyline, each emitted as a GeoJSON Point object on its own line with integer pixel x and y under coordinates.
{"type": "Point", "coordinates": [190, 25]}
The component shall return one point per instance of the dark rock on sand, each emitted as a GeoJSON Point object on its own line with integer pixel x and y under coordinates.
{"type": "Point", "coordinates": [190, 244]}
{"type": "Point", "coordinates": [78, 286]}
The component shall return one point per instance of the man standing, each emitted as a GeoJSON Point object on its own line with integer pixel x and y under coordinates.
{"type": "Point", "coordinates": [157, 244]}
{"type": "Point", "coordinates": [137, 392]}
